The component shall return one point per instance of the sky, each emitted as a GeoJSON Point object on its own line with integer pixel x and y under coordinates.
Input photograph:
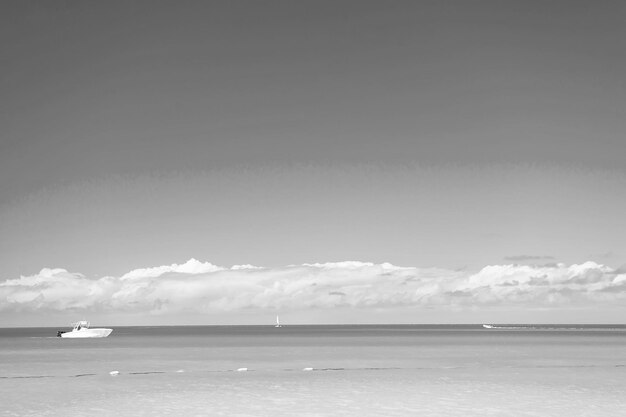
{"type": "Point", "coordinates": [389, 162]}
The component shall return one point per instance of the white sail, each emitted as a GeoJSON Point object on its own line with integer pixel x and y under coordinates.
{"type": "Point", "coordinates": [278, 322]}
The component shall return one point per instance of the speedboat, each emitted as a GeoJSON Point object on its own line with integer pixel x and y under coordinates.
{"type": "Point", "coordinates": [81, 329]}
{"type": "Point", "coordinates": [488, 326]}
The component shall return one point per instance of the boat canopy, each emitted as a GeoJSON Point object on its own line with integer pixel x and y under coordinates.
{"type": "Point", "coordinates": [83, 324]}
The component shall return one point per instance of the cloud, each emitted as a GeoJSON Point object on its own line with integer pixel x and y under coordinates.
{"type": "Point", "coordinates": [201, 287]}
{"type": "Point", "coordinates": [192, 266]}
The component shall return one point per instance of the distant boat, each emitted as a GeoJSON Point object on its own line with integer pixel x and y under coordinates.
{"type": "Point", "coordinates": [278, 322]}
{"type": "Point", "coordinates": [81, 329]}
{"type": "Point", "coordinates": [488, 326]}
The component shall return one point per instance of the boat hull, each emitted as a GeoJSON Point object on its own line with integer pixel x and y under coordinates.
{"type": "Point", "coordinates": [87, 333]}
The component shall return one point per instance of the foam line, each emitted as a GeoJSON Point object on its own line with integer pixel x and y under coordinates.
{"type": "Point", "coordinates": [334, 369]}
{"type": "Point", "coordinates": [147, 372]}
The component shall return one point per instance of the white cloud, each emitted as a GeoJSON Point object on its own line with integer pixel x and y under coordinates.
{"type": "Point", "coordinates": [201, 287]}
{"type": "Point", "coordinates": [192, 266]}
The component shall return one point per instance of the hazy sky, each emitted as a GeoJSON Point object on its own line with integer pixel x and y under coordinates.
{"type": "Point", "coordinates": [442, 136]}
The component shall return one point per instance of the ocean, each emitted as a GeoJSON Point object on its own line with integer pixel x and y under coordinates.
{"type": "Point", "coordinates": [365, 370]}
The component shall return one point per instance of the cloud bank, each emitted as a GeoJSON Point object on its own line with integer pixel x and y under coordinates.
{"type": "Point", "coordinates": [201, 287]}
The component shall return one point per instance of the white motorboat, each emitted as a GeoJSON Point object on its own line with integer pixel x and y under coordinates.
{"type": "Point", "coordinates": [81, 329]}
{"type": "Point", "coordinates": [488, 326]}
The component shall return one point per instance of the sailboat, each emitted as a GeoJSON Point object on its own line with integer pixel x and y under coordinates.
{"type": "Point", "coordinates": [278, 322]}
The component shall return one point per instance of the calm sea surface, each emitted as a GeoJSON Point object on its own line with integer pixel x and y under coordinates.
{"type": "Point", "coordinates": [457, 370]}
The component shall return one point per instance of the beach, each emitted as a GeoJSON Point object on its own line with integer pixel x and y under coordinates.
{"type": "Point", "coordinates": [461, 370]}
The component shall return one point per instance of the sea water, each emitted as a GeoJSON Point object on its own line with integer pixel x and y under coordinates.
{"type": "Point", "coordinates": [403, 370]}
